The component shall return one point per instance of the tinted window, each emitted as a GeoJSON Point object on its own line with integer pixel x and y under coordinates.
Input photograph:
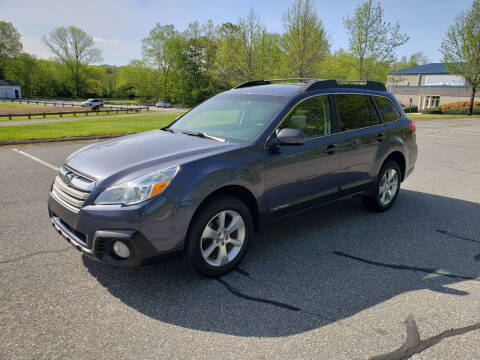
{"type": "Point", "coordinates": [311, 116]}
{"type": "Point", "coordinates": [355, 111]}
{"type": "Point", "coordinates": [388, 111]}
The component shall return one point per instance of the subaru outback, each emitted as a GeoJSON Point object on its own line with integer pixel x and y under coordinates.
{"type": "Point", "coordinates": [203, 185]}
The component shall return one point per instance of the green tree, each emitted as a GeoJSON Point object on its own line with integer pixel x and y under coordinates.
{"type": "Point", "coordinates": [160, 50]}
{"type": "Point", "coordinates": [251, 32]}
{"type": "Point", "coordinates": [197, 63]}
{"type": "Point", "coordinates": [140, 77]}
{"type": "Point", "coordinates": [415, 59]}
{"type": "Point", "coordinates": [372, 40]}
{"type": "Point", "coordinates": [339, 65]}
{"type": "Point", "coordinates": [305, 41]}
{"type": "Point", "coordinates": [10, 45]}
{"type": "Point", "coordinates": [461, 48]}
{"type": "Point", "coordinates": [229, 60]}
{"type": "Point", "coordinates": [75, 49]}
{"type": "Point", "coordinates": [22, 71]}
{"type": "Point", "coordinates": [270, 59]}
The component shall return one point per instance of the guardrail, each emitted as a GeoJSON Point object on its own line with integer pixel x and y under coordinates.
{"type": "Point", "coordinates": [63, 104]}
{"type": "Point", "coordinates": [44, 114]}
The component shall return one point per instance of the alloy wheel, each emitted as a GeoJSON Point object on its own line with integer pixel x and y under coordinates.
{"type": "Point", "coordinates": [222, 238]}
{"type": "Point", "coordinates": [388, 187]}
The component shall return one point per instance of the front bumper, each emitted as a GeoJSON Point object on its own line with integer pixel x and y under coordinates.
{"type": "Point", "coordinates": [153, 231]}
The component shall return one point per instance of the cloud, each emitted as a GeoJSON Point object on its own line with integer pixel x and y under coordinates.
{"type": "Point", "coordinates": [105, 40]}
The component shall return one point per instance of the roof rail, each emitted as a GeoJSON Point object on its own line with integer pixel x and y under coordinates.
{"type": "Point", "coordinates": [267, 82]}
{"type": "Point", "coordinates": [343, 84]}
{"type": "Point", "coordinates": [317, 84]}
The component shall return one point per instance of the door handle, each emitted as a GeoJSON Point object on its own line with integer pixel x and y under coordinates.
{"type": "Point", "coordinates": [330, 149]}
{"type": "Point", "coordinates": [381, 137]}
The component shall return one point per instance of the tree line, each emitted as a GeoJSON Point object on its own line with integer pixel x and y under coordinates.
{"type": "Point", "coordinates": [189, 66]}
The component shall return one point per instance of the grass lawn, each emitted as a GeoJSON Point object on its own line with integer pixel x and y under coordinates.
{"type": "Point", "coordinates": [112, 125]}
{"type": "Point", "coordinates": [68, 114]}
{"type": "Point", "coordinates": [414, 116]}
{"type": "Point", "coordinates": [9, 105]}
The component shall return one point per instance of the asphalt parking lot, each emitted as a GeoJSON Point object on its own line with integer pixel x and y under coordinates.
{"type": "Point", "coordinates": [336, 282]}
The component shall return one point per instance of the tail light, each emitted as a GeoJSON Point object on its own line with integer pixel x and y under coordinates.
{"type": "Point", "coordinates": [412, 126]}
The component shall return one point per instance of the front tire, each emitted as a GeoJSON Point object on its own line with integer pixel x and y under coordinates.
{"type": "Point", "coordinates": [386, 188]}
{"type": "Point", "coordinates": [219, 236]}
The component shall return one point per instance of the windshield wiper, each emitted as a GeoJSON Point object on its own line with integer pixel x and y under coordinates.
{"type": "Point", "coordinates": [203, 135]}
{"type": "Point", "coordinates": [168, 129]}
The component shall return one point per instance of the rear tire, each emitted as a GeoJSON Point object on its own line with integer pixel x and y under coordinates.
{"type": "Point", "coordinates": [219, 236]}
{"type": "Point", "coordinates": [386, 188]}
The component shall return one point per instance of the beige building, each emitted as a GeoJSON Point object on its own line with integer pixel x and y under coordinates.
{"type": "Point", "coordinates": [428, 85]}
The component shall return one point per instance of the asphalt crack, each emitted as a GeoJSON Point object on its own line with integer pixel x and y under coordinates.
{"type": "Point", "coordinates": [402, 267]}
{"type": "Point", "coordinates": [279, 304]}
{"type": "Point", "coordinates": [20, 258]}
{"type": "Point", "coordinates": [445, 232]}
{"type": "Point", "coordinates": [414, 345]}
{"type": "Point", "coordinates": [242, 272]}
{"type": "Point", "coordinates": [239, 294]}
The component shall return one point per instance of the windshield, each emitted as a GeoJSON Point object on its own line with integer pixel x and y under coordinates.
{"type": "Point", "coordinates": [234, 117]}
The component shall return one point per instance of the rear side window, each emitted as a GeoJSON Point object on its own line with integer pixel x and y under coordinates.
{"type": "Point", "coordinates": [388, 111]}
{"type": "Point", "coordinates": [311, 116]}
{"type": "Point", "coordinates": [355, 111]}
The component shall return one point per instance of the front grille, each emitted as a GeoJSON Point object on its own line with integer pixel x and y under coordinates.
{"type": "Point", "coordinates": [71, 188]}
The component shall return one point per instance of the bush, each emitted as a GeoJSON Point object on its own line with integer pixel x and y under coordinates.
{"type": "Point", "coordinates": [458, 105]}
{"type": "Point", "coordinates": [432, 110]}
{"type": "Point", "coordinates": [408, 109]}
{"type": "Point", "coordinates": [451, 111]}
{"type": "Point", "coordinates": [461, 111]}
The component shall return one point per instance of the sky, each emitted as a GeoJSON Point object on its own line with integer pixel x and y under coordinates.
{"type": "Point", "coordinates": [118, 26]}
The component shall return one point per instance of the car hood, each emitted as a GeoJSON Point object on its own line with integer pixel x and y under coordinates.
{"type": "Point", "coordinates": [128, 157]}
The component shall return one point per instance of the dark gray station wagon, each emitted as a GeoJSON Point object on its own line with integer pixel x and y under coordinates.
{"type": "Point", "coordinates": [204, 184]}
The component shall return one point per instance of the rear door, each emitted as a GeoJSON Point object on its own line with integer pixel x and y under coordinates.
{"type": "Point", "coordinates": [301, 174]}
{"type": "Point", "coordinates": [362, 132]}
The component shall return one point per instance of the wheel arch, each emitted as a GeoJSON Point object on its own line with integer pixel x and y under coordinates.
{"type": "Point", "coordinates": [399, 158]}
{"type": "Point", "coordinates": [237, 191]}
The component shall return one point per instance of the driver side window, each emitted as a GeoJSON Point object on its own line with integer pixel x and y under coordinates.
{"type": "Point", "coordinates": [311, 116]}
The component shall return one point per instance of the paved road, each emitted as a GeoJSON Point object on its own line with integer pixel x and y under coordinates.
{"type": "Point", "coordinates": [337, 282]}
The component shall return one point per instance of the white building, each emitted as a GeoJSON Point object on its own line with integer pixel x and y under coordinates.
{"type": "Point", "coordinates": [10, 90]}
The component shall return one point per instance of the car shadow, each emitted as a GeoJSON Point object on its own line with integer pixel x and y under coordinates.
{"type": "Point", "coordinates": [313, 268]}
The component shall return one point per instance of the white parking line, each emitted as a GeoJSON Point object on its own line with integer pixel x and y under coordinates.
{"type": "Point", "coordinates": [40, 161]}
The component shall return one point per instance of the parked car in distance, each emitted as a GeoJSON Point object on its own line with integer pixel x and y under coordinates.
{"type": "Point", "coordinates": [163, 104]}
{"type": "Point", "coordinates": [93, 103]}
{"type": "Point", "coordinates": [205, 184]}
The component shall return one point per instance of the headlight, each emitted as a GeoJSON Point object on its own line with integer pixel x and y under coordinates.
{"type": "Point", "coordinates": [137, 190]}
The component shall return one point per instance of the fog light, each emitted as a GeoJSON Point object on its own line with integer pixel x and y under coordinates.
{"type": "Point", "coordinates": [121, 250]}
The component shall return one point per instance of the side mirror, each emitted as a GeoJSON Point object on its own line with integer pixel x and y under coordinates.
{"type": "Point", "coordinates": [291, 137]}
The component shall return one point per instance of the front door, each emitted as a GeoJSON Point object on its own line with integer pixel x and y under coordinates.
{"type": "Point", "coordinates": [301, 174]}
{"type": "Point", "coordinates": [17, 95]}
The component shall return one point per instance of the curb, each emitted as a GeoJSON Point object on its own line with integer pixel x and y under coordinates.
{"type": "Point", "coordinates": [61, 139]}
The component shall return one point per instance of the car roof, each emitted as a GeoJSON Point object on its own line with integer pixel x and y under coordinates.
{"type": "Point", "coordinates": [307, 87]}
{"type": "Point", "coordinates": [286, 90]}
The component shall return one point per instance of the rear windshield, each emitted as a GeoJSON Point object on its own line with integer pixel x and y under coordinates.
{"type": "Point", "coordinates": [234, 117]}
